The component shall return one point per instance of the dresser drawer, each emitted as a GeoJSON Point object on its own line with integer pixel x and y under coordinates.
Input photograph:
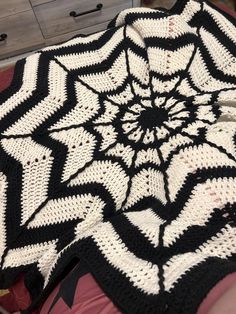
{"type": "Point", "coordinates": [10, 7]}
{"type": "Point", "coordinates": [22, 32]}
{"type": "Point", "coordinates": [54, 17]}
{"type": "Point", "coordinates": [86, 31]}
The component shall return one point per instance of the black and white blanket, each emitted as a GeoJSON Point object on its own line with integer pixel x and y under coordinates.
{"type": "Point", "coordinates": [119, 149]}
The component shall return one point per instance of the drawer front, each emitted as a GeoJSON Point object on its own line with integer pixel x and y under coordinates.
{"type": "Point", "coordinates": [88, 30]}
{"type": "Point", "coordinates": [10, 7]}
{"type": "Point", "coordinates": [23, 33]}
{"type": "Point", "coordinates": [54, 17]}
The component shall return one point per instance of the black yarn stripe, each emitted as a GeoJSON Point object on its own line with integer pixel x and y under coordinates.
{"type": "Point", "coordinates": [13, 171]}
{"type": "Point", "coordinates": [108, 277]}
{"type": "Point", "coordinates": [166, 77]}
{"type": "Point", "coordinates": [213, 69]}
{"type": "Point", "coordinates": [220, 148]}
{"type": "Point", "coordinates": [54, 183]}
{"type": "Point", "coordinates": [147, 166]}
{"type": "Point", "coordinates": [81, 47]}
{"type": "Point", "coordinates": [197, 235]}
{"type": "Point", "coordinates": [194, 179]}
{"type": "Point", "coordinates": [131, 175]}
{"type": "Point", "coordinates": [213, 27]}
{"type": "Point", "coordinates": [194, 285]}
{"type": "Point", "coordinates": [87, 85]}
{"type": "Point", "coordinates": [214, 94]}
{"type": "Point", "coordinates": [106, 64]}
{"type": "Point", "coordinates": [130, 18]}
{"type": "Point", "coordinates": [172, 44]}
{"type": "Point", "coordinates": [59, 153]}
{"type": "Point", "coordinates": [134, 240]}
{"type": "Point", "coordinates": [50, 232]}
{"type": "Point", "coordinates": [9, 275]}
{"type": "Point", "coordinates": [150, 202]}
{"type": "Point", "coordinates": [181, 77]}
{"type": "Point", "coordinates": [165, 175]}
{"type": "Point", "coordinates": [38, 94]}
{"type": "Point", "coordinates": [67, 106]}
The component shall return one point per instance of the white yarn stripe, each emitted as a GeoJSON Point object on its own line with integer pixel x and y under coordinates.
{"type": "Point", "coordinates": [92, 57]}
{"type": "Point", "coordinates": [174, 142]}
{"type": "Point", "coordinates": [222, 134]}
{"type": "Point", "coordinates": [185, 88]}
{"type": "Point", "coordinates": [168, 64]}
{"type": "Point", "coordinates": [134, 36]}
{"type": "Point", "coordinates": [225, 25]}
{"type": "Point", "coordinates": [123, 97]}
{"type": "Point", "coordinates": [222, 245]}
{"type": "Point", "coordinates": [202, 78]}
{"type": "Point", "coordinates": [146, 183]}
{"type": "Point", "coordinates": [178, 265]}
{"type": "Point", "coordinates": [191, 159]}
{"type": "Point", "coordinates": [46, 107]}
{"type": "Point", "coordinates": [109, 136]}
{"type": "Point", "coordinates": [161, 27]}
{"type": "Point", "coordinates": [70, 208]}
{"type": "Point", "coordinates": [200, 206]}
{"type": "Point", "coordinates": [138, 67]}
{"type": "Point", "coordinates": [105, 81]}
{"type": "Point", "coordinates": [47, 260]}
{"type": "Point", "coordinates": [28, 86]}
{"type": "Point", "coordinates": [222, 58]}
{"type": "Point", "coordinates": [36, 162]}
{"type": "Point", "coordinates": [160, 86]}
{"type": "Point", "coordinates": [122, 151]}
{"type": "Point", "coordinates": [140, 91]}
{"type": "Point", "coordinates": [28, 254]}
{"type": "Point", "coordinates": [109, 174]}
{"type": "Point", "coordinates": [85, 108]}
{"type": "Point", "coordinates": [145, 156]}
{"type": "Point", "coordinates": [148, 223]}
{"type": "Point", "coordinates": [142, 274]}
{"type": "Point", "coordinates": [190, 9]}
{"type": "Point", "coordinates": [229, 95]}
{"type": "Point", "coordinates": [80, 144]}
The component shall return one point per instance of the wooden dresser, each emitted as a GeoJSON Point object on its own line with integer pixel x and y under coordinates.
{"type": "Point", "coordinates": [26, 25]}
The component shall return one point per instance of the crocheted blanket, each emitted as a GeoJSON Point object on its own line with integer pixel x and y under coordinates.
{"type": "Point", "coordinates": [119, 149]}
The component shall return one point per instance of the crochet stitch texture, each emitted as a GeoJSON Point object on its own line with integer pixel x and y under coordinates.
{"type": "Point", "coordinates": [119, 149]}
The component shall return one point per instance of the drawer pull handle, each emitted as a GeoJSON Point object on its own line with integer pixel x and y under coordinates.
{"type": "Point", "coordinates": [98, 8]}
{"type": "Point", "coordinates": [3, 37]}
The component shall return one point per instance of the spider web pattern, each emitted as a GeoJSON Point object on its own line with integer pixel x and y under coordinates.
{"type": "Point", "coordinates": [116, 148]}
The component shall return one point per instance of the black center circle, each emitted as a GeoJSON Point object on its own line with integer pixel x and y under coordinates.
{"type": "Point", "coordinates": [152, 117]}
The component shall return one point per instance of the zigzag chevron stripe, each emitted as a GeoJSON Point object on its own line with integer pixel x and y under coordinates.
{"type": "Point", "coordinates": [119, 149]}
